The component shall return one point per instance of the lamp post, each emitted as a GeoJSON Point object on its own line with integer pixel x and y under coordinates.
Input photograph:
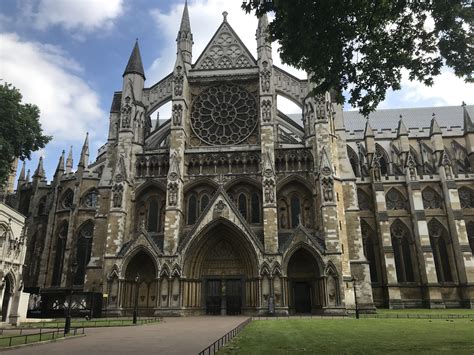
{"type": "Point", "coordinates": [135, 308]}
{"type": "Point", "coordinates": [355, 296]}
{"type": "Point", "coordinates": [67, 323]}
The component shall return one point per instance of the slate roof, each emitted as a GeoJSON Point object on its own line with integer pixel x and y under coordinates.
{"type": "Point", "coordinates": [135, 65]}
{"type": "Point", "coordinates": [417, 120]}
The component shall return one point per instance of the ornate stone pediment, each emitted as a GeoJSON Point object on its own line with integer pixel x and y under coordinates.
{"type": "Point", "coordinates": [225, 51]}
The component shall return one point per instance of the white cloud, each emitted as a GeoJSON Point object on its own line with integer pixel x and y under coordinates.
{"type": "Point", "coordinates": [205, 17]}
{"type": "Point", "coordinates": [77, 16]}
{"type": "Point", "coordinates": [47, 77]}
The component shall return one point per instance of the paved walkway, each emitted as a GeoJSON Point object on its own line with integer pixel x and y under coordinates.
{"type": "Point", "coordinates": [185, 335]}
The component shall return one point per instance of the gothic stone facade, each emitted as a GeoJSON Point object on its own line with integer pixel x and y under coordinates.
{"type": "Point", "coordinates": [232, 207]}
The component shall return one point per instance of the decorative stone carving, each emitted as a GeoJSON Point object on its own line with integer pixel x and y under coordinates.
{"type": "Point", "coordinates": [327, 186]}
{"type": "Point", "coordinates": [431, 199]}
{"type": "Point", "coordinates": [327, 181]}
{"type": "Point", "coordinates": [219, 207]}
{"type": "Point", "coordinates": [177, 114]}
{"type": "Point", "coordinates": [269, 187]}
{"type": "Point", "coordinates": [395, 200]}
{"type": "Point", "coordinates": [117, 192]}
{"type": "Point", "coordinates": [266, 110]}
{"type": "Point", "coordinates": [265, 77]}
{"type": "Point", "coordinates": [376, 172]}
{"type": "Point", "coordinates": [224, 114]}
{"type": "Point", "coordinates": [466, 197]}
{"type": "Point", "coordinates": [411, 166]}
{"type": "Point", "coordinates": [446, 163]}
{"type": "Point", "coordinates": [173, 193]}
{"type": "Point", "coordinates": [178, 80]}
{"type": "Point", "coordinates": [321, 111]}
{"type": "Point", "coordinates": [126, 113]}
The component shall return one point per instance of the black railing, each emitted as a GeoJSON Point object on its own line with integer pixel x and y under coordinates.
{"type": "Point", "coordinates": [418, 316]}
{"type": "Point", "coordinates": [219, 343]}
{"type": "Point", "coordinates": [88, 323]}
{"type": "Point", "coordinates": [38, 336]}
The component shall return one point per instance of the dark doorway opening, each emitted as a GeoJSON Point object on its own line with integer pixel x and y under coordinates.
{"type": "Point", "coordinates": [302, 291]}
{"type": "Point", "coordinates": [233, 297]}
{"type": "Point", "coordinates": [213, 297]}
{"type": "Point", "coordinates": [6, 298]}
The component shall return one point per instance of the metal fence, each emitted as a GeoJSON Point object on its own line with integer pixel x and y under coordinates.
{"type": "Point", "coordinates": [418, 316]}
{"type": "Point", "coordinates": [38, 336]}
{"type": "Point", "coordinates": [219, 343]}
{"type": "Point", "coordinates": [89, 323]}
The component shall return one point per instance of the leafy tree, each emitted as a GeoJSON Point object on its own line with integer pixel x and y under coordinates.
{"type": "Point", "coordinates": [362, 46]}
{"type": "Point", "coordinates": [20, 129]}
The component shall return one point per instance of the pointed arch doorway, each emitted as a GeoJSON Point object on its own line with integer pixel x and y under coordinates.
{"type": "Point", "coordinates": [305, 282]}
{"type": "Point", "coordinates": [221, 269]}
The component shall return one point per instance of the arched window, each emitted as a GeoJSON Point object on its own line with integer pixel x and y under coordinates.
{"type": "Point", "coordinates": [439, 244]}
{"type": "Point", "coordinates": [204, 202]}
{"type": "Point", "coordinates": [255, 208]}
{"type": "Point", "coordinates": [59, 256]}
{"type": "Point", "coordinates": [370, 250]}
{"type": "Point", "coordinates": [466, 197]}
{"type": "Point", "coordinates": [431, 199]}
{"type": "Point", "coordinates": [470, 235]}
{"type": "Point", "coordinates": [68, 199]}
{"type": "Point", "coordinates": [42, 206]}
{"type": "Point", "coordinates": [153, 217]}
{"type": "Point", "coordinates": [383, 159]}
{"type": "Point", "coordinates": [192, 209]}
{"type": "Point", "coordinates": [91, 199]}
{"type": "Point", "coordinates": [243, 205]}
{"type": "Point", "coordinates": [395, 200]}
{"type": "Point", "coordinates": [282, 214]}
{"type": "Point", "coordinates": [295, 211]}
{"type": "Point", "coordinates": [402, 251]}
{"type": "Point", "coordinates": [83, 251]}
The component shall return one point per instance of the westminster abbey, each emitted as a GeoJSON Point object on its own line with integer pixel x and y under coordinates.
{"type": "Point", "coordinates": [233, 207]}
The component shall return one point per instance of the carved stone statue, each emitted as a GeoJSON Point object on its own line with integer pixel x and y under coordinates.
{"type": "Point", "coordinates": [178, 81]}
{"type": "Point", "coordinates": [177, 114]}
{"type": "Point", "coordinates": [265, 76]}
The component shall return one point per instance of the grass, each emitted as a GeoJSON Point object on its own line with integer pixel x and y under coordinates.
{"type": "Point", "coordinates": [351, 336]}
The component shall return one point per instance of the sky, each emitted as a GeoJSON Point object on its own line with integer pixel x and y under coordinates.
{"type": "Point", "coordinates": [68, 57]}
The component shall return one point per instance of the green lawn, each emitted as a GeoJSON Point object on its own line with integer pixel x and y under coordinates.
{"type": "Point", "coordinates": [352, 336]}
{"type": "Point", "coordinates": [79, 323]}
{"type": "Point", "coordinates": [19, 340]}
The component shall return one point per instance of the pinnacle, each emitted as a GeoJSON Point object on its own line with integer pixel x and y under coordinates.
{"type": "Point", "coordinates": [135, 65]}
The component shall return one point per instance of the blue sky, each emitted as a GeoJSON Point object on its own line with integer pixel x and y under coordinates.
{"type": "Point", "coordinates": [68, 56]}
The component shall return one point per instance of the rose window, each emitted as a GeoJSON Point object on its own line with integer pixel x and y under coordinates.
{"type": "Point", "coordinates": [223, 115]}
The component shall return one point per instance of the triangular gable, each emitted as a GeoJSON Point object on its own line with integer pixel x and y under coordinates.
{"type": "Point", "coordinates": [143, 240]}
{"type": "Point", "coordinates": [302, 235]}
{"type": "Point", "coordinates": [221, 206]}
{"type": "Point", "coordinates": [225, 51]}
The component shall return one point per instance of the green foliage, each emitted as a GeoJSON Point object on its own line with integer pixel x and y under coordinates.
{"type": "Point", "coordinates": [20, 129]}
{"type": "Point", "coordinates": [352, 336]}
{"type": "Point", "coordinates": [362, 46]}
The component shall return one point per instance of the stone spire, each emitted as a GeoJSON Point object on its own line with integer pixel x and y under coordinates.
{"type": "Point", "coordinates": [84, 159]}
{"type": "Point", "coordinates": [60, 167]}
{"type": "Point", "coordinates": [134, 65]}
{"type": "Point", "coordinates": [402, 129]}
{"type": "Point", "coordinates": [40, 173]}
{"type": "Point", "coordinates": [69, 162]}
{"type": "Point", "coordinates": [21, 177]}
{"type": "Point", "coordinates": [185, 37]}
{"type": "Point", "coordinates": [434, 127]}
{"type": "Point", "coordinates": [468, 125]}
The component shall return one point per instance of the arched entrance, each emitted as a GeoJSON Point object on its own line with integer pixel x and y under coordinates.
{"type": "Point", "coordinates": [7, 294]}
{"type": "Point", "coordinates": [305, 282]}
{"type": "Point", "coordinates": [221, 270]}
{"type": "Point", "coordinates": [140, 275]}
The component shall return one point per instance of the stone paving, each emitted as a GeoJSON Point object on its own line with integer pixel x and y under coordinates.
{"type": "Point", "coordinates": [186, 335]}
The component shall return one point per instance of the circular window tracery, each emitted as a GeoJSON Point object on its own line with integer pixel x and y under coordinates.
{"type": "Point", "coordinates": [223, 115]}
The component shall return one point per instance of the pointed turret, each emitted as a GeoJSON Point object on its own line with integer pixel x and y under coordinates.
{"type": "Point", "coordinates": [60, 167]}
{"type": "Point", "coordinates": [264, 47]}
{"type": "Point", "coordinates": [434, 127]}
{"type": "Point", "coordinates": [185, 37]}
{"type": "Point", "coordinates": [436, 135]}
{"type": "Point", "coordinates": [40, 173]}
{"type": "Point", "coordinates": [369, 138]}
{"type": "Point", "coordinates": [21, 177]}
{"type": "Point", "coordinates": [134, 65]}
{"type": "Point", "coordinates": [402, 135]}
{"type": "Point", "coordinates": [84, 159]}
{"type": "Point", "coordinates": [468, 125]}
{"type": "Point", "coordinates": [69, 162]}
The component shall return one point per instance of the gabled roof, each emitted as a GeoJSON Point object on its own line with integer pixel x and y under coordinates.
{"type": "Point", "coordinates": [225, 51]}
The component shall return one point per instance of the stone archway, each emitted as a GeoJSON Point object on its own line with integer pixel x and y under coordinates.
{"type": "Point", "coordinates": [305, 283]}
{"type": "Point", "coordinates": [221, 271]}
{"type": "Point", "coordinates": [143, 266]}
{"type": "Point", "coordinates": [7, 297]}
